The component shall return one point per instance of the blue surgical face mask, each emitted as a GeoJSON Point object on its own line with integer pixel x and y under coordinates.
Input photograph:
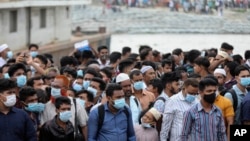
{"type": "Point", "coordinates": [21, 80]}
{"type": "Point", "coordinates": [77, 87]}
{"type": "Point", "coordinates": [9, 54]}
{"type": "Point", "coordinates": [79, 73]}
{"type": "Point", "coordinates": [190, 98]}
{"type": "Point", "coordinates": [55, 92]}
{"type": "Point", "coordinates": [92, 90]}
{"type": "Point", "coordinates": [138, 85]}
{"type": "Point", "coordinates": [119, 103]}
{"type": "Point", "coordinates": [245, 81]}
{"type": "Point", "coordinates": [33, 53]}
{"type": "Point", "coordinates": [35, 107]}
{"type": "Point", "coordinates": [65, 116]}
{"type": "Point", "coordinates": [6, 76]}
{"type": "Point", "coordinates": [82, 102]}
{"type": "Point", "coordinates": [86, 84]}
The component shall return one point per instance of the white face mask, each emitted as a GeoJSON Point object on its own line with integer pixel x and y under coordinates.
{"type": "Point", "coordinates": [10, 100]}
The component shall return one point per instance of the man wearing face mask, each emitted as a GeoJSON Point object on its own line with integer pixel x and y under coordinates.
{"type": "Point", "coordinates": [29, 100]}
{"type": "Point", "coordinates": [134, 104]}
{"type": "Point", "coordinates": [97, 87]}
{"type": "Point", "coordinates": [5, 54]}
{"type": "Point", "coordinates": [103, 56]}
{"type": "Point", "coordinates": [58, 89]}
{"type": "Point", "coordinates": [59, 128]}
{"type": "Point", "coordinates": [242, 76]}
{"type": "Point", "coordinates": [175, 108]}
{"type": "Point", "coordinates": [204, 121]}
{"type": "Point", "coordinates": [15, 123]}
{"type": "Point", "coordinates": [117, 122]}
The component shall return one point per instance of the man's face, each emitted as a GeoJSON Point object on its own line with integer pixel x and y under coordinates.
{"type": "Point", "coordinates": [191, 90]}
{"type": "Point", "coordinates": [137, 78]}
{"type": "Point", "coordinates": [150, 56]}
{"type": "Point", "coordinates": [79, 81]}
{"type": "Point", "coordinates": [31, 99]}
{"type": "Point", "coordinates": [84, 97]}
{"type": "Point", "coordinates": [38, 84]}
{"type": "Point", "coordinates": [102, 53]}
{"type": "Point", "coordinates": [58, 83]}
{"type": "Point", "coordinates": [41, 64]}
{"type": "Point", "coordinates": [221, 78]}
{"type": "Point", "coordinates": [149, 75]}
{"type": "Point", "coordinates": [18, 73]}
{"type": "Point", "coordinates": [63, 107]}
{"type": "Point", "coordinates": [105, 77]}
{"type": "Point", "coordinates": [152, 89]}
{"type": "Point", "coordinates": [208, 90]}
{"type": "Point", "coordinates": [4, 94]}
{"type": "Point", "coordinates": [174, 87]}
{"type": "Point", "coordinates": [117, 94]}
{"type": "Point", "coordinates": [33, 49]}
{"type": "Point", "coordinates": [88, 77]}
{"type": "Point", "coordinates": [167, 68]}
{"type": "Point", "coordinates": [242, 74]}
{"type": "Point", "coordinates": [126, 87]}
{"type": "Point", "coordinates": [197, 68]}
{"type": "Point", "coordinates": [95, 85]}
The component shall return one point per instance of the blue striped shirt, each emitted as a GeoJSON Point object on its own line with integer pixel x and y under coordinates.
{"type": "Point", "coordinates": [199, 125]}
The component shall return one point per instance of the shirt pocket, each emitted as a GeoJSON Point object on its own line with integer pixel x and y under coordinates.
{"type": "Point", "coordinates": [198, 124]}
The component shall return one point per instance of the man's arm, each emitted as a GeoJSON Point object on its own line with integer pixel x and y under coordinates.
{"type": "Point", "coordinates": [85, 132]}
{"type": "Point", "coordinates": [30, 129]}
{"type": "Point", "coordinates": [131, 131]}
{"type": "Point", "coordinates": [93, 125]}
{"type": "Point", "coordinates": [82, 118]}
{"type": "Point", "coordinates": [186, 126]}
{"type": "Point", "coordinates": [222, 130]}
{"type": "Point", "coordinates": [230, 121]}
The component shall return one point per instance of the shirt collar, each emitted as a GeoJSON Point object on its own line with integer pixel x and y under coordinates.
{"type": "Point", "coordinates": [238, 91]}
{"type": "Point", "coordinates": [200, 107]}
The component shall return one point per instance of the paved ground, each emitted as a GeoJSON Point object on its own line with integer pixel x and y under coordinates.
{"type": "Point", "coordinates": [160, 20]}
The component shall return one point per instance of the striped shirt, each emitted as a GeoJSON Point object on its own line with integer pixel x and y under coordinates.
{"type": "Point", "coordinates": [173, 117]}
{"type": "Point", "coordinates": [199, 125]}
{"type": "Point", "coordinates": [160, 104]}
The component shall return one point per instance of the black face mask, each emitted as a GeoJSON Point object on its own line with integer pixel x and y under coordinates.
{"type": "Point", "coordinates": [210, 98]}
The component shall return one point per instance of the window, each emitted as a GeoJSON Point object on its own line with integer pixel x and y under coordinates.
{"type": "Point", "coordinates": [42, 18]}
{"type": "Point", "coordinates": [13, 21]}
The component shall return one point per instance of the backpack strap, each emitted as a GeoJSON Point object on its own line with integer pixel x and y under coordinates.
{"type": "Point", "coordinates": [101, 116]}
{"type": "Point", "coordinates": [235, 99]}
{"type": "Point", "coordinates": [136, 102]}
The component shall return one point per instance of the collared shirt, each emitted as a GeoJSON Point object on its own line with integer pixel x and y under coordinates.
{"type": "Point", "coordinates": [245, 108]}
{"type": "Point", "coordinates": [103, 65]}
{"type": "Point", "coordinates": [173, 117]}
{"type": "Point", "coordinates": [146, 98]}
{"type": "Point", "coordinates": [135, 108]}
{"type": "Point", "coordinates": [115, 127]}
{"type": "Point", "coordinates": [240, 96]}
{"type": "Point", "coordinates": [50, 112]}
{"type": "Point", "coordinates": [160, 104]}
{"type": "Point", "coordinates": [203, 126]}
{"type": "Point", "coordinates": [225, 106]}
{"type": "Point", "coordinates": [16, 125]}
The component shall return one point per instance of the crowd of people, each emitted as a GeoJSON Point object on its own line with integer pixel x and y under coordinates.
{"type": "Point", "coordinates": [98, 95]}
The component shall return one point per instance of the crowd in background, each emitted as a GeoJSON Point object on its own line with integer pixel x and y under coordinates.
{"type": "Point", "coordinates": [122, 95]}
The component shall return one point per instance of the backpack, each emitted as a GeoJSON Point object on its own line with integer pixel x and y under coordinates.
{"type": "Point", "coordinates": [159, 122]}
{"type": "Point", "coordinates": [234, 96]}
{"type": "Point", "coordinates": [101, 114]}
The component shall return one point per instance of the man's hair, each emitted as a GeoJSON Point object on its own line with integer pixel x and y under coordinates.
{"type": "Point", "coordinates": [156, 83]}
{"type": "Point", "coordinates": [194, 75]}
{"type": "Point", "coordinates": [1, 68]}
{"type": "Point", "coordinates": [101, 48]}
{"type": "Point", "coordinates": [13, 68]}
{"type": "Point", "coordinates": [124, 63]}
{"type": "Point", "coordinates": [193, 54]}
{"type": "Point", "coordinates": [33, 45]}
{"type": "Point", "coordinates": [202, 61]}
{"type": "Point", "coordinates": [166, 56]}
{"type": "Point", "coordinates": [144, 53]}
{"type": "Point", "coordinates": [92, 61]}
{"type": "Point", "coordinates": [206, 82]}
{"type": "Point", "coordinates": [191, 81]}
{"type": "Point", "coordinates": [42, 58]}
{"type": "Point", "coordinates": [107, 71]}
{"type": "Point", "coordinates": [62, 100]}
{"type": "Point", "coordinates": [26, 92]}
{"type": "Point", "coordinates": [65, 80]}
{"type": "Point", "coordinates": [70, 71]}
{"type": "Point", "coordinates": [101, 82]}
{"type": "Point", "coordinates": [31, 81]}
{"type": "Point", "coordinates": [231, 65]}
{"type": "Point", "coordinates": [68, 60]}
{"type": "Point", "coordinates": [169, 78]}
{"type": "Point", "coordinates": [166, 62]}
{"type": "Point", "coordinates": [91, 71]}
{"type": "Point", "coordinates": [90, 96]}
{"type": "Point", "coordinates": [86, 54]}
{"type": "Point", "coordinates": [133, 56]}
{"type": "Point", "coordinates": [6, 84]}
{"type": "Point", "coordinates": [247, 54]}
{"type": "Point", "coordinates": [240, 68]}
{"type": "Point", "coordinates": [49, 57]}
{"type": "Point", "coordinates": [111, 88]}
{"type": "Point", "coordinates": [134, 73]}
{"type": "Point", "coordinates": [237, 58]}
{"type": "Point", "coordinates": [142, 47]}
{"type": "Point", "coordinates": [114, 56]}
{"type": "Point", "coordinates": [156, 53]}
{"type": "Point", "coordinates": [227, 46]}
{"type": "Point", "coordinates": [125, 50]}
{"type": "Point", "coordinates": [212, 77]}
{"type": "Point", "coordinates": [177, 51]}
{"type": "Point", "coordinates": [149, 63]}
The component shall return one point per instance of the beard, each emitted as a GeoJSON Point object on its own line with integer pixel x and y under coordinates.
{"type": "Point", "coordinates": [128, 93]}
{"type": "Point", "coordinates": [172, 91]}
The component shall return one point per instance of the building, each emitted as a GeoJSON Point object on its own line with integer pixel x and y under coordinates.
{"type": "Point", "coordinates": [35, 21]}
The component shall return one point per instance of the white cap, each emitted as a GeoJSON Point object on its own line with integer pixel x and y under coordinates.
{"type": "Point", "coordinates": [223, 54]}
{"type": "Point", "coordinates": [121, 77]}
{"type": "Point", "coordinates": [145, 69]}
{"type": "Point", "coordinates": [3, 47]}
{"type": "Point", "coordinates": [220, 71]}
{"type": "Point", "coordinates": [155, 113]}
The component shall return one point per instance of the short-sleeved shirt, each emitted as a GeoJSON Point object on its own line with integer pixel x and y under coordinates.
{"type": "Point", "coordinates": [225, 105]}
{"type": "Point", "coordinates": [160, 104]}
{"type": "Point", "coordinates": [245, 108]}
{"type": "Point", "coordinates": [50, 112]}
{"type": "Point", "coordinates": [146, 98]}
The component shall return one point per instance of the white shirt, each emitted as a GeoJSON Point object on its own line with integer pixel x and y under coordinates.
{"type": "Point", "coordinates": [103, 65]}
{"type": "Point", "coordinates": [50, 112]}
{"type": "Point", "coordinates": [173, 117]}
{"type": "Point", "coordinates": [2, 61]}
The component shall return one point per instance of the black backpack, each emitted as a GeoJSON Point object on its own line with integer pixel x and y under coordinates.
{"type": "Point", "coordinates": [101, 114]}
{"type": "Point", "coordinates": [234, 96]}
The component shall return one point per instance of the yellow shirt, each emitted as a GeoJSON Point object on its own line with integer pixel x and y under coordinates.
{"type": "Point", "coordinates": [225, 105]}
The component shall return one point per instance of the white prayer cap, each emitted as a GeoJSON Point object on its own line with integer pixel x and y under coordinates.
{"type": "Point", "coordinates": [220, 71]}
{"type": "Point", "coordinates": [145, 69]}
{"type": "Point", "coordinates": [121, 77]}
{"type": "Point", "coordinates": [3, 47]}
{"type": "Point", "coordinates": [223, 54]}
{"type": "Point", "coordinates": [155, 113]}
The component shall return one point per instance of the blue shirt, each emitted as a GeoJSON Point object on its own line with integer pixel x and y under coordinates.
{"type": "Point", "coordinates": [16, 126]}
{"type": "Point", "coordinates": [240, 96]}
{"type": "Point", "coordinates": [116, 127]}
{"type": "Point", "coordinates": [203, 126]}
{"type": "Point", "coordinates": [245, 108]}
{"type": "Point", "coordinates": [135, 109]}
